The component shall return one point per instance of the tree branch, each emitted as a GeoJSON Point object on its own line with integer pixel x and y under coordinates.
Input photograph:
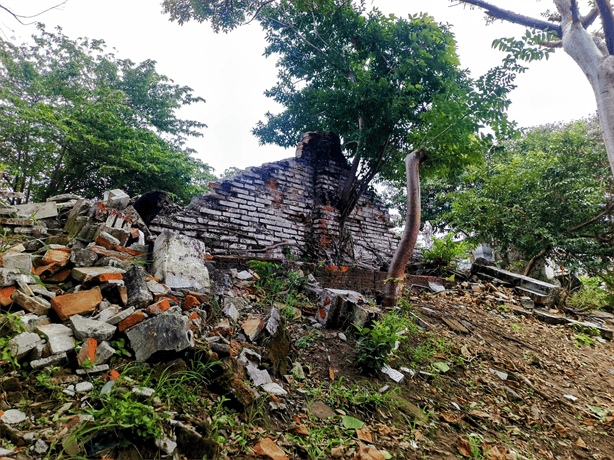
{"type": "Point", "coordinates": [509, 16]}
{"type": "Point", "coordinates": [590, 17]}
{"type": "Point", "coordinates": [575, 14]}
{"type": "Point", "coordinates": [17, 16]}
{"type": "Point", "coordinates": [605, 212]}
{"type": "Point", "coordinates": [605, 11]}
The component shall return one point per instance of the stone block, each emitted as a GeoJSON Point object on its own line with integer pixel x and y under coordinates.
{"type": "Point", "coordinates": [52, 360]}
{"type": "Point", "coordinates": [104, 352]}
{"type": "Point", "coordinates": [58, 257]}
{"type": "Point", "coordinates": [21, 262]}
{"type": "Point", "coordinates": [179, 262]}
{"type": "Point", "coordinates": [135, 280]}
{"type": "Point", "coordinates": [122, 315]}
{"type": "Point", "coordinates": [22, 344]}
{"type": "Point", "coordinates": [85, 328]}
{"type": "Point", "coordinates": [37, 210]}
{"type": "Point", "coordinates": [59, 337]}
{"type": "Point", "coordinates": [164, 332]}
{"type": "Point", "coordinates": [72, 304]}
{"type": "Point", "coordinates": [32, 304]}
{"type": "Point", "coordinates": [117, 199]}
{"type": "Point", "coordinates": [32, 321]}
{"type": "Point", "coordinates": [252, 327]}
{"type": "Point", "coordinates": [83, 258]}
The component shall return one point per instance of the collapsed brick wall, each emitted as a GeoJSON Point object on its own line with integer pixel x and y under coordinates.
{"type": "Point", "coordinates": [287, 209]}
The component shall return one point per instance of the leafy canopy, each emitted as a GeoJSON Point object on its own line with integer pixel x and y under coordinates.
{"type": "Point", "coordinates": [549, 190]}
{"type": "Point", "coordinates": [74, 118]}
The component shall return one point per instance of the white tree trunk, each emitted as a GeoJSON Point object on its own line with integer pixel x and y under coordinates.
{"type": "Point", "coordinates": [592, 57]}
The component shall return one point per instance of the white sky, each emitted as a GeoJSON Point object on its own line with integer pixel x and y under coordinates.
{"type": "Point", "coordinates": [229, 71]}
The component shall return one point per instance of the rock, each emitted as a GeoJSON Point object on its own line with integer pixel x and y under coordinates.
{"type": "Point", "coordinates": [297, 371]}
{"type": "Point", "coordinates": [321, 410]}
{"type": "Point", "coordinates": [146, 392]}
{"type": "Point", "coordinates": [72, 304]}
{"type": "Point", "coordinates": [32, 304]}
{"type": "Point", "coordinates": [259, 376]}
{"type": "Point", "coordinates": [166, 444]}
{"type": "Point", "coordinates": [37, 210]}
{"type": "Point", "coordinates": [273, 322]}
{"type": "Point", "coordinates": [22, 344]}
{"type": "Point", "coordinates": [157, 288]}
{"type": "Point", "coordinates": [93, 370]}
{"type": "Point", "coordinates": [502, 375]}
{"type": "Point", "coordinates": [161, 333]}
{"type": "Point", "coordinates": [32, 321]}
{"type": "Point", "coordinates": [104, 352]}
{"type": "Point", "coordinates": [244, 276]}
{"type": "Point", "coordinates": [52, 360]}
{"type": "Point", "coordinates": [267, 448]}
{"type": "Point", "coordinates": [84, 387]}
{"type": "Point", "coordinates": [60, 337]}
{"type": "Point", "coordinates": [136, 286]}
{"type": "Point", "coordinates": [40, 447]}
{"type": "Point", "coordinates": [117, 199]}
{"type": "Point", "coordinates": [88, 328]}
{"type": "Point", "coordinates": [274, 389]}
{"type": "Point", "coordinates": [252, 327]}
{"type": "Point", "coordinates": [83, 258]}
{"type": "Point", "coordinates": [21, 262]}
{"type": "Point", "coordinates": [56, 257]}
{"type": "Point", "coordinates": [179, 262]}
{"type": "Point", "coordinates": [122, 315]}
{"type": "Point", "coordinates": [87, 274]}
{"type": "Point", "coordinates": [193, 445]}
{"type": "Point", "coordinates": [13, 417]}
{"type": "Point", "coordinates": [231, 312]}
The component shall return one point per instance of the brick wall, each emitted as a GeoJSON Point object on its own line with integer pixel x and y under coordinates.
{"type": "Point", "coordinates": [287, 208]}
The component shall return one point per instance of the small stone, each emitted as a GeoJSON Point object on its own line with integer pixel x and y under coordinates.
{"type": "Point", "coordinates": [93, 370]}
{"type": "Point", "coordinates": [122, 315]}
{"type": "Point", "coordinates": [88, 328]}
{"type": "Point", "coordinates": [60, 337]}
{"type": "Point", "coordinates": [166, 444]}
{"type": "Point", "coordinates": [274, 389]}
{"type": "Point", "coordinates": [259, 376]}
{"type": "Point", "coordinates": [22, 344]}
{"type": "Point", "coordinates": [392, 373]}
{"type": "Point", "coordinates": [52, 360]}
{"type": "Point", "coordinates": [321, 410]}
{"type": "Point", "coordinates": [84, 387]}
{"type": "Point", "coordinates": [164, 332]}
{"type": "Point", "coordinates": [13, 417]}
{"type": "Point", "coordinates": [40, 447]}
{"type": "Point", "coordinates": [104, 352]}
{"type": "Point", "coordinates": [147, 392]}
{"type": "Point", "coordinates": [231, 312]}
{"type": "Point", "coordinates": [342, 336]}
{"type": "Point", "coordinates": [297, 371]}
{"type": "Point", "coordinates": [502, 375]}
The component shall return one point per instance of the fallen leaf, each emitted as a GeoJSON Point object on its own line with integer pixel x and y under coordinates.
{"type": "Point", "coordinates": [450, 417]}
{"type": "Point", "coordinates": [267, 448]}
{"type": "Point", "coordinates": [331, 373]}
{"type": "Point", "coordinates": [351, 422]}
{"type": "Point", "coordinates": [300, 429]}
{"type": "Point", "coordinates": [364, 434]}
{"type": "Point", "coordinates": [479, 414]}
{"type": "Point", "coordinates": [581, 444]}
{"type": "Point", "coordinates": [464, 447]}
{"type": "Point", "coordinates": [496, 454]}
{"type": "Point", "coordinates": [368, 453]}
{"type": "Point", "coordinates": [383, 429]}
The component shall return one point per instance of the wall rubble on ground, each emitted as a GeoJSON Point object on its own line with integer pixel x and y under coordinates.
{"type": "Point", "coordinates": [286, 209]}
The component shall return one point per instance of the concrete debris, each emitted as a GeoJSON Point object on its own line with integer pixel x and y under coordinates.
{"type": "Point", "coordinates": [85, 328]}
{"type": "Point", "coordinates": [23, 343]}
{"type": "Point", "coordinates": [179, 262]}
{"type": "Point", "coordinates": [164, 332]}
{"type": "Point", "coordinates": [13, 417]}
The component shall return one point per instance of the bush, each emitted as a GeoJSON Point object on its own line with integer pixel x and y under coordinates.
{"type": "Point", "coordinates": [445, 251]}
{"type": "Point", "coordinates": [593, 295]}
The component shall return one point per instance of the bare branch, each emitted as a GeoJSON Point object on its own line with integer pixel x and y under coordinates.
{"type": "Point", "coordinates": [590, 17]}
{"type": "Point", "coordinates": [605, 212]}
{"type": "Point", "coordinates": [558, 44]}
{"type": "Point", "coordinates": [510, 16]}
{"type": "Point", "coordinates": [18, 16]}
{"type": "Point", "coordinates": [259, 10]}
{"type": "Point", "coordinates": [605, 11]}
{"type": "Point", "coordinates": [575, 14]}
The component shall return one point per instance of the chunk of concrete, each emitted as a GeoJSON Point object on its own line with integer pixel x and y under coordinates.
{"type": "Point", "coordinates": [32, 304]}
{"type": "Point", "coordinates": [117, 199]}
{"type": "Point", "coordinates": [37, 210]}
{"type": "Point", "coordinates": [165, 332]}
{"type": "Point", "coordinates": [85, 328]}
{"type": "Point", "coordinates": [60, 337]}
{"type": "Point", "coordinates": [86, 274]}
{"type": "Point", "coordinates": [135, 281]}
{"type": "Point", "coordinates": [13, 417]}
{"type": "Point", "coordinates": [9, 276]}
{"type": "Point", "coordinates": [104, 352]}
{"type": "Point", "coordinates": [179, 261]}
{"type": "Point", "coordinates": [52, 360]}
{"type": "Point", "coordinates": [21, 262]}
{"type": "Point", "coordinates": [22, 344]}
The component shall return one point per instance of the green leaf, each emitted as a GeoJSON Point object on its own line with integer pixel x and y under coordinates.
{"type": "Point", "coordinates": [441, 367]}
{"type": "Point", "coordinates": [351, 422]}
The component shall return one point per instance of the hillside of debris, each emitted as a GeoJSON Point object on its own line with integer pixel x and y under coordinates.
{"type": "Point", "coordinates": [117, 346]}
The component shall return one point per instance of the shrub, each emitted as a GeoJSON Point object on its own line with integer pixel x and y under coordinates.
{"type": "Point", "coordinates": [444, 251]}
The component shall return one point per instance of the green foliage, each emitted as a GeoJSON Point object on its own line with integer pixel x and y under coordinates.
{"type": "Point", "coordinates": [444, 251]}
{"type": "Point", "coordinates": [385, 85]}
{"type": "Point", "coordinates": [594, 295]}
{"type": "Point", "coordinates": [279, 286]}
{"type": "Point", "coordinates": [135, 419]}
{"type": "Point", "coordinates": [583, 339]}
{"type": "Point", "coordinates": [376, 343]}
{"type": "Point", "coordinates": [74, 118]}
{"type": "Point", "coordinates": [544, 191]}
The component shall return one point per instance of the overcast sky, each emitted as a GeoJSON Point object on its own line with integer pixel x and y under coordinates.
{"type": "Point", "coordinates": [229, 71]}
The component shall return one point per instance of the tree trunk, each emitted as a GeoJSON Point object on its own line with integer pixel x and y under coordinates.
{"type": "Point", "coordinates": [394, 286]}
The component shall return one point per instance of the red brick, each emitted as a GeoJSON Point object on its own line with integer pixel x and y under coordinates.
{"type": "Point", "coordinates": [110, 253]}
{"type": "Point", "coordinates": [108, 277]}
{"type": "Point", "coordinates": [113, 375]}
{"type": "Point", "coordinates": [80, 302]}
{"type": "Point", "coordinates": [166, 296]}
{"type": "Point", "coordinates": [190, 302]}
{"type": "Point", "coordinates": [5, 295]}
{"type": "Point", "coordinates": [58, 277]}
{"type": "Point", "coordinates": [131, 320]}
{"type": "Point", "coordinates": [123, 294]}
{"type": "Point", "coordinates": [158, 307]}
{"type": "Point", "coordinates": [88, 351]}
{"type": "Point", "coordinates": [59, 256]}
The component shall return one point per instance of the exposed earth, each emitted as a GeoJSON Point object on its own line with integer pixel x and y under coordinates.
{"type": "Point", "coordinates": [490, 385]}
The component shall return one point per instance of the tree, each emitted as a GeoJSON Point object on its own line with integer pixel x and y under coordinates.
{"type": "Point", "coordinates": [385, 85]}
{"type": "Point", "coordinates": [74, 119]}
{"type": "Point", "coordinates": [547, 194]}
{"type": "Point", "coordinates": [593, 52]}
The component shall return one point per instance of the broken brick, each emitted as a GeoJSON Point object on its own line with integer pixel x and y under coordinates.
{"type": "Point", "coordinates": [158, 307]}
{"type": "Point", "coordinates": [29, 303]}
{"type": "Point", "coordinates": [131, 320]}
{"type": "Point", "coordinates": [58, 277]}
{"type": "Point", "coordinates": [5, 295]}
{"type": "Point", "coordinates": [190, 302]}
{"type": "Point", "coordinates": [59, 256]}
{"type": "Point", "coordinates": [80, 302]}
{"type": "Point", "coordinates": [88, 351]}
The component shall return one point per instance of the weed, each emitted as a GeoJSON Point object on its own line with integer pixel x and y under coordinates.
{"type": "Point", "coordinates": [515, 327]}
{"type": "Point", "coordinates": [583, 339]}
{"type": "Point", "coordinates": [445, 251]}
{"type": "Point", "coordinates": [594, 295]}
{"type": "Point", "coordinates": [376, 343]}
{"type": "Point", "coordinates": [307, 341]}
